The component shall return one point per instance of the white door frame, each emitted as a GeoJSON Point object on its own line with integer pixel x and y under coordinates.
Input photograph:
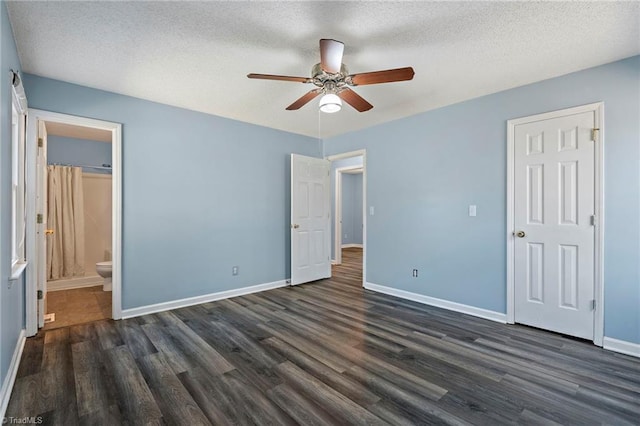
{"type": "Point", "coordinates": [33, 117]}
{"type": "Point", "coordinates": [363, 153]}
{"type": "Point", "coordinates": [338, 210]}
{"type": "Point", "coordinates": [598, 110]}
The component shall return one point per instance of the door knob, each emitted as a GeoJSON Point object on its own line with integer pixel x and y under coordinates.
{"type": "Point", "coordinates": [296, 226]}
{"type": "Point", "coordinates": [520, 234]}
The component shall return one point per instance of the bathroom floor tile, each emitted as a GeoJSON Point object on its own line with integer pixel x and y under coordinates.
{"type": "Point", "coordinates": [78, 306]}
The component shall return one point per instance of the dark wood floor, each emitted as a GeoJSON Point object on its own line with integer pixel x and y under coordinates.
{"type": "Point", "coordinates": [322, 353]}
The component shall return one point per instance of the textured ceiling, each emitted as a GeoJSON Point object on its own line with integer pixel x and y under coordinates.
{"type": "Point", "coordinates": [196, 55]}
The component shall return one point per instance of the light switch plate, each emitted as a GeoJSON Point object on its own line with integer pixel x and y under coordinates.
{"type": "Point", "coordinates": [371, 211]}
{"type": "Point", "coordinates": [472, 210]}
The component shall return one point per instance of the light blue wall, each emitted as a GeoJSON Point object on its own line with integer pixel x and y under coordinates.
{"type": "Point", "coordinates": [72, 151]}
{"type": "Point", "coordinates": [345, 162]}
{"type": "Point", "coordinates": [351, 208]}
{"type": "Point", "coordinates": [11, 298]}
{"type": "Point", "coordinates": [201, 193]}
{"type": "Point", "coordinates": [424, 171]}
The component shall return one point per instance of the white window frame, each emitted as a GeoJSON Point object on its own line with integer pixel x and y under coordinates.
{"type": "Point", "coordinates": [18, 173]}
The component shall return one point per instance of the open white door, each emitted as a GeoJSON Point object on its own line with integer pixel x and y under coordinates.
{"type": "Point", "coordinates": [310, 219]}
{"type": "Point", "coordinates": [41, 222]}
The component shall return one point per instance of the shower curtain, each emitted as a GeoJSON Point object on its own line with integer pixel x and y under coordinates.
{"type": "Point", "coordinates": [65, 204]}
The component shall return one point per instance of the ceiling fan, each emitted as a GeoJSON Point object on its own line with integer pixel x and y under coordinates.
{"type": "Point", "coordinates": [332, 80]}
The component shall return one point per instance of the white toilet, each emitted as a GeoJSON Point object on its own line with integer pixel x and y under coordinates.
{"type": "Point", "coordinates": [104, 270]}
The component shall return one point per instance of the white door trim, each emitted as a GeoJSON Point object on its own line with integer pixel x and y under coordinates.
{"type": "Point", "coordinates": [363, 153]}
{"type": "Point", "coordinates": [598, 109]}
{"type": "Point", "coordinates": [338, 211]}
{"type": "Point", "coordinates": [33, 116]}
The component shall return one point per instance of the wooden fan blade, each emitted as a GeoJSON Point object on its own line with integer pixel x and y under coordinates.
{"type": "Point", "coordinates": [355, 100]}
{"type": "Point", "coordinates": [280, 77]}
{"type": "Point", "coordinates": [331, 55]}
{"type": "Point", "coordinates": [304, 99]}
{"type": "Point", "coordinates": [387, 76]}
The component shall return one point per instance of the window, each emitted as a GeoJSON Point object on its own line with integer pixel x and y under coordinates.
{"type": "Point", "coordinates": [18, 210]}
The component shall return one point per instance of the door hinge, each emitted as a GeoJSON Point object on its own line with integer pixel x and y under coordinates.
{"type": "Point", "coordinates": [40, 143]}
{"type": "Point", "coordinates": [593, 220]}
{"type": "Point", "coordinates": [40, 295]}
{"type": "Point", "coordinates": [593, 304]}
{"type": "Point", "coordinates": [39, 218]}
{"type": "Point", "coordinates": [594, 133]}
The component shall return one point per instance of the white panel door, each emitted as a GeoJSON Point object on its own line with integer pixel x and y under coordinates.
{"type": "Point", "coordinates": [310, 219]}
{"type": "Point", "coordinates": [554, 234]}
{"type": "Point", "coordinates": [41, 208]}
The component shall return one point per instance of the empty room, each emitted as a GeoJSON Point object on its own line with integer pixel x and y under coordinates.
{"type": "Point", "coordinates": [320, 212]}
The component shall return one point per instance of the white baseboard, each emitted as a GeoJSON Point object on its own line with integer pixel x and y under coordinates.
{"type": "Point", "coordinates": [621, 346]}
{"type": "Point", "coordinates": [440, 303]}
{"type": "Point", "coordinates": [72, 283]}
{"type": "Point", "coordinates": [351, 246]}
{"type": "Point", "coordinates": [9, 380]}
{"type": "Point", "coordinates": [190, 301]}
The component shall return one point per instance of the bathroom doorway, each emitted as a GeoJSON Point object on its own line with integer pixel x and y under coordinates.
{"type": "Point", "coordinates": [78, 224]}
{"type": "Point", "coordinates": [74, 276]}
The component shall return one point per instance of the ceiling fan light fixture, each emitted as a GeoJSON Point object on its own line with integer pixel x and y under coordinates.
{"type": "Point", "coordinates": [330, 103]}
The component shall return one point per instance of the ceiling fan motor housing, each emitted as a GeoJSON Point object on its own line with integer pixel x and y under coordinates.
{"type": "Point", "coordinates": [330, 83]}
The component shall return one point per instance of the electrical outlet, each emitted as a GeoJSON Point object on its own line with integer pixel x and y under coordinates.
{"type": "Point", "coordinates": [235, 270]}
{"type": "Point", "coordinates": [415, 273]}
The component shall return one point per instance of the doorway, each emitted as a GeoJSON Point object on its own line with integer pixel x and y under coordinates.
{"type": "Point", "coordinates": [555, 221]}
{"type": "Point", "coordinates": [78, 290]}
{"type": "Point", "coordinates": [348, 195]}
{"type": "Point", "coordinates": [77, 218]}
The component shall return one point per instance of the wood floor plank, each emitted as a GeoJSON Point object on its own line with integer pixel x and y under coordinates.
{"type": "Point", "coordinates": [328, 352]}
{"type": "Point", "coordinates": [83, 332]}
{"type": "Point", "coordinates": [175, 402]}
{"type": "Point", "coordinates": [351, 389]}
{"type": "Point", "coordinates": [57, 387]}
{"type": "Point", "coordinates": [135, 398]}
{"type": "Point", "coordinates": [212, 400]}
{"type": "Point", "coordinates": [261, 357]}
{"type": "Point", "coordinates": [197, 350]}
{"type": "Point", "coordinates": [31, 357]}
{"type": "Point", "coordinates": [312, 349]}
{"type": "Point", "coordinates": [92, 393]}
{"type": "Point", "coordinates": [333, 401]}
{"type": "Point", "coordinates": [163, 342]}
{"type": "Point", "coordinates": [26, 398]}
{"type": "Point", "coordinates": [134, 338]}
{"type": "Point", "coordinates": [255, 403]}
{"type": "Point", "coordinates": [299, 408]}
{"type": "Point", "coordinates": [107, 334]}
{"type": "Point", "coordinates": [395, 393]}
{"type": "Point", "coordinates": [393, 414]}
